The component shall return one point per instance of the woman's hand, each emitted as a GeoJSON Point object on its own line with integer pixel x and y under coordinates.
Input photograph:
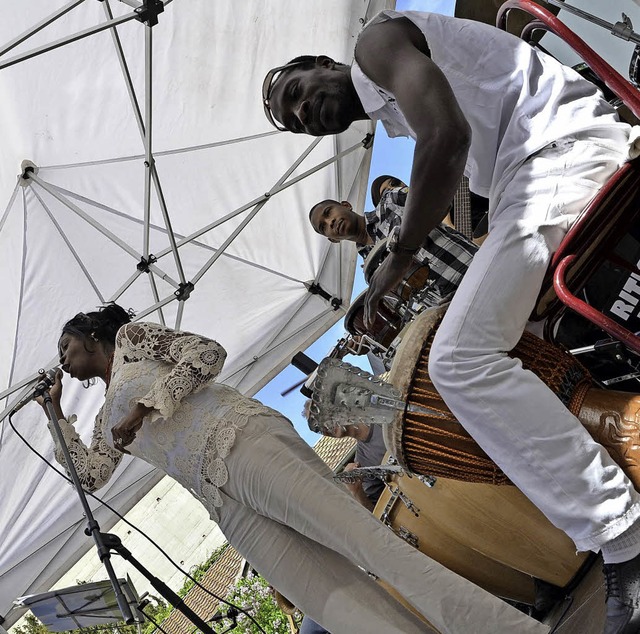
{"type": "Point", "coordinates": [55, 392]}
{"type": "Point", "coordinates": [124, 433]}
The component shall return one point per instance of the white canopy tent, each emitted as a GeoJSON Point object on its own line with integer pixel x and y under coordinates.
{"type": "Point", "coordinates": [200, 224]}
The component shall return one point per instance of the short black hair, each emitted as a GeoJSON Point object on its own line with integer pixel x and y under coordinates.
{"type": "Point", "coordinates": [309, 59]}
{"type": "Point", "coordinates": [322, 202]}
{"type": "Point", "coordinates": [303, 62]}
{"type": "Point", "coordinates": [375, 186]}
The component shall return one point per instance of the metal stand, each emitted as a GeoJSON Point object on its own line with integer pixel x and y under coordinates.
{"type": "Point", "coordinates": [622, 29]}
{"type": "Point", "coordinates": [106, 542]}
{"type": "Point", "coordinates": [93, 528]}
{"type": "Point", "coordinates": [114, 543]}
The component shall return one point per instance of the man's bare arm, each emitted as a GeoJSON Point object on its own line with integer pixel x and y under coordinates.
{"type": "Point", "coordinates": [394, 55]}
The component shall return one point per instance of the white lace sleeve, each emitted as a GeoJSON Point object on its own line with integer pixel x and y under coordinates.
{"type": "Point", "coordinates": [196, 361]}
{"type": "Point", "coordinates": [95, 464]}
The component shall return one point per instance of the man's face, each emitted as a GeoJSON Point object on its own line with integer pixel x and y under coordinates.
{"type": "Point", "coordinates": [336, 221]}
{"type": "Point", "coordinates": [317, 101]}
{"type": "Point", "coordinates": [390, 183]}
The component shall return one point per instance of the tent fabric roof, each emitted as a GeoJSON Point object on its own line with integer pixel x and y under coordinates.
{"type": "Point", "coordinates": [193, 180]}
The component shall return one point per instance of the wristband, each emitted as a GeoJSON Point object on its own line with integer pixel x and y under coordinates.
{"type": "Point", "coordinates": [394, 246]}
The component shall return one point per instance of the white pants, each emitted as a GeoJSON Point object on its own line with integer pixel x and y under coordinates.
{"type": "Point", "coordinates": [307, 536]}
{"type": "Point", "coordinates": [511, 414]}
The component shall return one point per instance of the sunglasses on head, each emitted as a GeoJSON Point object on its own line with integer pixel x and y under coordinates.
{"type": "Point", "coordinates": [267, 86]}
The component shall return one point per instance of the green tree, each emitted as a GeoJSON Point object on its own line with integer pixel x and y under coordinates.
{"type": "Point", "coordinates": [253, 594]}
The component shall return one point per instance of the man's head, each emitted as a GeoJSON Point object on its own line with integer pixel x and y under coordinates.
{"type": "Point", "coordinates": [336, 221]}
{"type": "Point", "coordinates": [381, 184]}
{"type": "Point", "coordinates": [311, 95]}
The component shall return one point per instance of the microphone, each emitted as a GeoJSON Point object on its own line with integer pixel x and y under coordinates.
{"type": "Point", "coordinates": [47, 380]}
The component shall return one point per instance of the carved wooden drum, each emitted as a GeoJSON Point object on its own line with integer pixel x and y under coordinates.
{"type": "Point", "coordinates": [387, 324]}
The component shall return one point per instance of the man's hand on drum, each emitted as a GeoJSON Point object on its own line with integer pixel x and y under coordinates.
{"type": "Point", "coordinates": [388, 275]}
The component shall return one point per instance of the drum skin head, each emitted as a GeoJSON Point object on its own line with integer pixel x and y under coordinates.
{"type": "Point", "coordinates": [404, 365]}
{"type": "Point", "coordinates": [410, 348]}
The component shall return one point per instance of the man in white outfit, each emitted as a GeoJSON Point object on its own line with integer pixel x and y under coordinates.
{"type": "Point", "coordinates": [538, 141]}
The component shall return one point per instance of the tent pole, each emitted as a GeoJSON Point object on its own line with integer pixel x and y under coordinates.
{"type": "Point", "coordinates": [68, 40]}
{"type": "Point", "coordinates": [40, 25]}
{"type": "Point", "coordinates": [145, 127]}
{"type": "Point", "coordinates": [125, 286]}
{"type": "Point", "coordinates": [160, 304]}
{"type": "Point", "coordinates": [148, 133]}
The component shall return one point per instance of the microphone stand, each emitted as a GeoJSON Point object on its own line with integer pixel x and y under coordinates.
{"type": "Point", "coordinates": [106, 542]}
{"type": "Point", "coordinates": [92, 529]}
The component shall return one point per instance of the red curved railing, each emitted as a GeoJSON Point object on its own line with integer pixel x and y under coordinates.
{"type": "Point", "coordinates": [611, 77]}
{"type": "Point", "coordinates": [574, 241]}
{"type": "Point", "coordinates": [613, 328]}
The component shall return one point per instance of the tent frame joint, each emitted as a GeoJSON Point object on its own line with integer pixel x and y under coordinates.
{"type": "Point", "coordinates": [145, 263]}
{"type": "Point", "coordinates": [184, 291]}
{"type": "Point", "coordinates": [367, 142]}
{"type": "Point", "coordinates": [316, 289]}
{"type": "Point", "coordinates": [28, 170]}
{"type": "Point", "coordinates": [149, 11]}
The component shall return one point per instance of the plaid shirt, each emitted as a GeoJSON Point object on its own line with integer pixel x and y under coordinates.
{"type": "Point", "coordinates": [445, 251]}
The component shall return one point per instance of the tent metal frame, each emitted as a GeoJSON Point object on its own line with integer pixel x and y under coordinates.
{"type": "Point", "coordinates": [145, 261]}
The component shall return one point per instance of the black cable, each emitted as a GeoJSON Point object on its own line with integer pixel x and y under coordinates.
{"type": "Point", "coordinates": [128, 523]}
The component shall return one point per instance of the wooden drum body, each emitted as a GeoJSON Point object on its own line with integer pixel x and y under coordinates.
{"type": "Point", "coordinates": [499, 522]}
{"type": "Point", "coordinates": [423, 527]}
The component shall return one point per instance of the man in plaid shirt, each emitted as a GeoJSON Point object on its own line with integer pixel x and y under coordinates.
{"type": "Point", "coordinates": [445, 251]}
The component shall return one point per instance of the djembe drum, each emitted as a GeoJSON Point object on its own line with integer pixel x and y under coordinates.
{"type": "Point", "coordinates": [430, 441]}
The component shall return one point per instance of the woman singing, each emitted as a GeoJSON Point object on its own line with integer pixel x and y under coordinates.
{"type": "Point", "coordinates": [272, 496]}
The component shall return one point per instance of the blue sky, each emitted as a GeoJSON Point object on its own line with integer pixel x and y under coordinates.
{"type": "Point", "coordinates": [390, 156]}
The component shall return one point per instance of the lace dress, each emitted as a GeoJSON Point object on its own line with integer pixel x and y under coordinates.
{"type": "Point", "coordinates": [194, 422]}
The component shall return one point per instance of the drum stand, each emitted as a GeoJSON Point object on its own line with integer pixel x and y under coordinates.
{"type": "Point", "coordinates": [106, 542]}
